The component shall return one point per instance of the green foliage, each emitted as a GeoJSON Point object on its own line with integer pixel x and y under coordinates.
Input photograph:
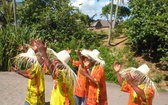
{"type": "Point", "coordinates": [8, 46]}
{"type": "Point", "coordinates": [110, 56]}
{"type": "Point", "coordinates": [158, 78]}
{"type": "Point", "coordinates": [6, 12]}
{"type": "Point", "coordinates": [10, 39]}
{"type": "Point", "coordinates": [119, 30]}
{"type": "Point", "coordinates": [147, 28]}
{"type": "Point", "coordinates": [55, 22]}
{"type": "Point", "coordinates": [58, 24]}
{"type": "Point", "coordinates": [123, 12]}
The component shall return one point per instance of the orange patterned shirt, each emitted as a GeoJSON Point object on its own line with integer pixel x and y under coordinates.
{"type": "Point", "coordinates": [97, 94]}
{"type": "Point", "coordinates": [134, 99]}
{"type": "Point", "coordinates": [82, 81]}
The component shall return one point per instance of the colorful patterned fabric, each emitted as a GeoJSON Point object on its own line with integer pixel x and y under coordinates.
{"type": "Point", "coordinates": [36, 88]}
{"type": "Point", "coordinates": [62, 93]}
{"type": "Point", "coordinates": [134, 99]}
{"type": "Point", "coordinates": [82, 82]}
{"type": "Point", "coordinates": [97, 94]}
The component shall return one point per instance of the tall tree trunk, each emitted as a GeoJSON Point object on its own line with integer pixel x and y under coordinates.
{"type": "Point", "coordinates": [115, 17]}
{"type": "Point", "coordinates": [14, 13]}
{"type": "Point", "coordinates": [110, 24]}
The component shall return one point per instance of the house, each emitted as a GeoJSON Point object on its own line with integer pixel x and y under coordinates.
{"type": "Point", "coordinates": [100, 24]}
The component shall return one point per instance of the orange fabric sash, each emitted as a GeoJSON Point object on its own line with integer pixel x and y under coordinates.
{"type": "Point", "coordinates": [66, 94]}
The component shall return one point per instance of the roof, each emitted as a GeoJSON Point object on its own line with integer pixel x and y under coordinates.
{"type": "Point", "coordinates": [104, 23]}
{"type": "Point", "coordinates": [101, 24]}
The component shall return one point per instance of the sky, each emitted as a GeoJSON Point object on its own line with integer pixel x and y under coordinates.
{"type": "Point", "coordinates": [91, 7]}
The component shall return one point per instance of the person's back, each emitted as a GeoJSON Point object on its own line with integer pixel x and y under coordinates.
{"type": "Point", "coordinates": [36, 87]}
{"type": "Point", "coordinates": [34, 69]}
{"type": "Point", "coordinates": [61, 93]}
{"type": "Point", "coordinates": [136, 82]}
{"type": "Point", "coordinates": [134, 98]}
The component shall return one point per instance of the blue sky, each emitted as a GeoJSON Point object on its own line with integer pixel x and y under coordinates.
{"type": "Point", "coordinates": [91, 7]}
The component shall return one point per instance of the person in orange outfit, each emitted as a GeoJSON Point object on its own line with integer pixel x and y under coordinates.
{"type": "Point", "coordinates": [97, 94]}
{"type": "Point", "coordinates": [136, 82]}
{"type": "Point", "coordinates": [83, 76]}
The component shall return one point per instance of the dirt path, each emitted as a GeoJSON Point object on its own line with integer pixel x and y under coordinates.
{"type": "Point", "coordinates": [13, 89]}
{"type": "Point", "coordinates": [119, 42]}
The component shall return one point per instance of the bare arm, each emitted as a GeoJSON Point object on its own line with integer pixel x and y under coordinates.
{"type": "Point", "coordinates": [117, 68]}
{"type": "Point", "coordinates": [84, 73]}
{"type": "Point", "coordinates": [80, 58]}
{"type": "Point", "coordinates": [21, 72]}
{"type": "Point", "coordinates": [69, 51]}
{"type": "Point", "coordinates": [139, 91]}
{"type": "Point", "coordinates": [42, 49]}
{"type": "Point", "coordinates": [87, 75]}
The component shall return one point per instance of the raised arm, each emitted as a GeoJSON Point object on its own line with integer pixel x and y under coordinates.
{"type": "Point", "coordinates": [117, 68]}
{"type": "Point", "coordinates": [80, 58]}
{"type": "Point", "coordinates": [140, 92]}
{"type": "Point", "coordinates": [21, 72]}
{"type": "Point", "coordinates": [42, 49]}
{"type": "Point", "coordinates": [69, 51]}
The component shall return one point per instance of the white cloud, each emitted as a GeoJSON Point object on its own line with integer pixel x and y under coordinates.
{"type": "Point", "coordinates": [91, 7]}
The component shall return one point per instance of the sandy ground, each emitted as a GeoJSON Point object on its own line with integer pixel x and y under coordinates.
{"type": "Point", "coordinates": [13, 90]}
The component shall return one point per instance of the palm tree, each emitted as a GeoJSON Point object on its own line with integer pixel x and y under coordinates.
{"type": "Point", "coordinates": [116, 12]}
{"type": "Point", "coordinates": [14, 12]}
{"type": "Point", "coordinates": [112, 22]}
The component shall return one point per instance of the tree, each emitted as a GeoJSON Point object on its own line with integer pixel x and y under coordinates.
{"type": "Point", "coordinates": [123, 12]}
{"type": "Point", "coordinates": [14, 12]}
{"type": "Point", "coordinates": [110, 30]}
{"type": "Point", "coordinates": [6, 12]}
{"type": "Point", "coordinates": [115, 17]}
{"type": "Point", "coordinates": [108, 9]}
{"type": "Point", "coordinates": [55, 22]}
{"type": "Point", "coordinates": [147, 28]}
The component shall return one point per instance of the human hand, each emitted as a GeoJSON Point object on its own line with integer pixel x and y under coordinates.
{"type": "Point", "coordinates": [20, 48]}
{"type": "Point", "coordinates": [23, 48]}
{"type": "Point", "coordinates": [129, 78]}
{"type": "Point", "coordinates": [94, 81]}
{"type": "Point", "coordinates": [14, 68]}
{"type": "Point", "coordinates": [78, 52]}
{"type": "Point", "coordinates": [33, 44]}
{"type": "Point", "coordinates": [86, 63]}
{"type": "Point", "coordinates": [116, 66]}
{"type": "Point", "coordinates": [40, 46]}
{"type": "Point", "coordinates": [68, 50]}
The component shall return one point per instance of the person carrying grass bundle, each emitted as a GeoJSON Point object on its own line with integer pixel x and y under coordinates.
{"type": "Point", "coordinates": [63, 76]}
{"type": "Point", "coordinates": [34, 72]}
{"type": "Point", "coordinates": [136, 82]}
